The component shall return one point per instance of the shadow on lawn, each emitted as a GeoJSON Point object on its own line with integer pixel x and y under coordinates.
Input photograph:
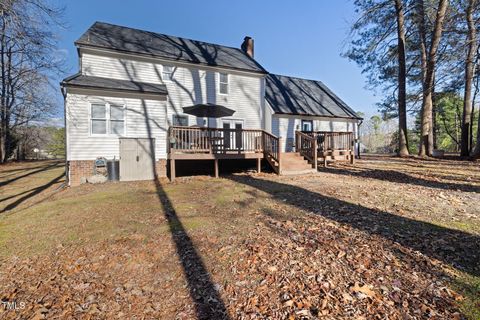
{"type": "Point", "coordinates": [29, 193]}
{"type": "Point", "coordinates": [456, 248]}
{"type": "Point", "coordinates": [400, 177]}
{"type": "Point", "coordinates": [42, 168]}
{"type": "Point", "coordinates": [208, 302]}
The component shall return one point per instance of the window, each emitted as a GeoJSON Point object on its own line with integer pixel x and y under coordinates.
{"type": "Point", "coordinates": [307, 125]}
{"type": "Point", "coordinates": [99, 119]}
{"type": "Point", "coordinates": [180, 120]}
{"type": "Point", "coordinates": [167, 74]}
{"type": "Point", "coordinates": [117, 120]}
{"type": "Point", "coordinates": [107, 119]}
{"type": "Point", "coordinates": [223, 83]}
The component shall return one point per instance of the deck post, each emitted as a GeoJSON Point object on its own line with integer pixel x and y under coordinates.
{"type": "Point", "coordinates": [279, 156]}
{"type": "Point", "coordinates": [259, 165]}
{"type": "Point", "coordinates": [172, 169]}
{"type": "Point", "coordinates": [352, 153]}
{"type": "Point", "coordinates": [325, 160]}
{"type": "Point", "coordinates": [216, 167]}
{"type": "Point", "coordinates": [315, 150]}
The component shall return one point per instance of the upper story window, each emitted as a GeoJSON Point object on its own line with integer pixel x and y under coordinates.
{"type": "Point", "coordinates": [107, 119]}
{"type": "Point", "coordinates": [223, 83]}
{"type": "Point", "coordinates": [167, 74]}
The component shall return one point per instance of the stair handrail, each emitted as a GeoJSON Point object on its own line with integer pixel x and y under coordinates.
{"type": "Point", "coordinates": [272, 150]}
{"type": "Point", "coordinates": [306, 145]}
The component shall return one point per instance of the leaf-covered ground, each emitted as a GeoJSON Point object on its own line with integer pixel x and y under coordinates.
{"type": "Point", "coordinates": [384, 239]}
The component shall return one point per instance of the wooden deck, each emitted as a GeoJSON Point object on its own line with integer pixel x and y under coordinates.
{"type": "Point", "coordinates": [192, 143]}
{"type": "Point", "coordinates": [195, 143]}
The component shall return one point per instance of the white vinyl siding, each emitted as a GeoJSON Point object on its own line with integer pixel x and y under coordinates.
{"type": "Point", "coordinates": [144, 118]}
{"type": "Point", "coordinates": [189, 86]}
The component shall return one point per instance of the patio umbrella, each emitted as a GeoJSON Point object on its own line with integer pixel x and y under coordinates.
{"type": "Point", "coordinates": [208, 110]}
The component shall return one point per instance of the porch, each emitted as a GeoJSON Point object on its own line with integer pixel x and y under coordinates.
{"type": "Point", "coordinates": [198, 143]}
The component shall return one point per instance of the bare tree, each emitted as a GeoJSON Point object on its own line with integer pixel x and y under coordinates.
{"type": "Point", "coordinates": [28, 58]}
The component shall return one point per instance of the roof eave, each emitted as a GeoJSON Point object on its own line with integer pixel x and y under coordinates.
{"type": "Point", "coordinates": [316, 115]}
{"type": "Point", "coordinates": [79, 86]}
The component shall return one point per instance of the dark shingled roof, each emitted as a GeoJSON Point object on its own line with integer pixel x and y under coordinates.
{"type": "Point", "coordinates": [114, 37]}
{"type": "Point", "coordinates": [88, 82]}
{"type": "Point", "coordinates": [289, 95]}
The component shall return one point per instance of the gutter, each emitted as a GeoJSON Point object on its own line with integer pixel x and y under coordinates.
{"type": "Point", "coordinates": [315, 115]}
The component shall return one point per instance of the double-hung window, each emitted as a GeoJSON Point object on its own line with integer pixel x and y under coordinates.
{"type": "Point", "coordinates": [223, 83]}
{"type": "Point", "coordinates": [99, 119]}
{"type": "Point", "coordinates": [107, 119]}
{"type": "Point", "coordinates": [117, 120]}
{"type": "Point", "coordinates": [167, 73]}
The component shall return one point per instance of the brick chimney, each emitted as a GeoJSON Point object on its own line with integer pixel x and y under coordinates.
{"type": "Point", "coordinates": [247, 46]}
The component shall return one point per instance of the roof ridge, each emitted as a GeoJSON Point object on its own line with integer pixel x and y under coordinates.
{"type": "Point", "coordinates": [169, 35]}
{"type": "Point", "coordinates": [153, 43]}
{"type": "Point", "coordinates": [294, 77]}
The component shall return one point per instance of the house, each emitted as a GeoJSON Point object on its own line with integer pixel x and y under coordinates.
{"type": "Point", "coordinates": [126, 102]}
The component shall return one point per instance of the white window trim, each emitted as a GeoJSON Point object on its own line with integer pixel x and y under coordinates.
{"type": "Point", "coordinates": [228, 84]}
{"type": "Point", "coordinates": [171, 74]}
{"type": "Point", "coordinates": [107, 119]}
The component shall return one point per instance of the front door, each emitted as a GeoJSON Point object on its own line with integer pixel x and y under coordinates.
{"type": "Point", "coordinates": [307, 125]}
{"type": "Point", "coordinates": [137, 159]}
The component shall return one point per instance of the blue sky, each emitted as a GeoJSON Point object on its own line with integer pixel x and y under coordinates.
{"type": "Point", "coordinates": [296, 38]}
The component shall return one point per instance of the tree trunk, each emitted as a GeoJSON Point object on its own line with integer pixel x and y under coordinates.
{"type": "Point", "coordinates": [426, 140]}
{"type": "Point", "coordinates": [476, 151]}
{"type": "Point", "coordinates": [469, 72]}
{"type": "Point", "coordinates": [434, 116]}
{"type": "Point", "coordinates": [402, 83]}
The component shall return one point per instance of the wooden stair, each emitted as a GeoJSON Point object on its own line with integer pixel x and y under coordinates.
{"type": "Point", "coordinates": [293, 163]}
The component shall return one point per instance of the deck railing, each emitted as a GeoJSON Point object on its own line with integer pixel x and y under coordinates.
{"type": "Point", "coordinates": [330, 141]}
{"type": "Point", "coordinates": [306, 145]}
{"type": "Point", "coordinates": [323, 144]}
{"type": "Point", "coordinates": [225, 142]}
{"type": "Point", "coordinates": [214, 140]}
{"type": "Point", "coordinates": [271, 150]}
{"type": "Point", "coordinates": [196, 140]}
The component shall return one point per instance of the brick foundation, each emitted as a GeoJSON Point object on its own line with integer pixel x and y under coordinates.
{"type": "Point", "coordinates": [161, 168]}
{"type": "Point", "coordinates": [81, 169]}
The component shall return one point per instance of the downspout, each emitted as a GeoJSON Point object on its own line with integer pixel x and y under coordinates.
{"type": "Point", "coordinates": [358, 139]}
{"type": "Point", "coordinates": [64, 94]}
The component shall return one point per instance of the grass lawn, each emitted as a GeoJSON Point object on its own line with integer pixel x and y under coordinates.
{"type": "Point", "coordinates": [386, 237]}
